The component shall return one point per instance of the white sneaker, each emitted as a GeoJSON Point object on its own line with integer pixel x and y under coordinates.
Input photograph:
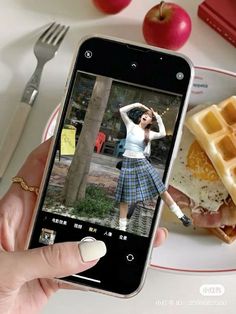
{"type": "Point", "coordinates": [123, 224]}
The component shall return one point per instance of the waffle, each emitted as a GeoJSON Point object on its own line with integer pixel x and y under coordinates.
{"type": "Point", "coordinates": [215, 129]}
{"type": "Point", "coordinates": [226, 234]}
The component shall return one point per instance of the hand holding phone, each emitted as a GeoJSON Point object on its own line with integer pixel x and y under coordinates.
{"type": "Point", "coordinates": [83, 196]}
{"type": "Point", "coordinates": [35, 268]}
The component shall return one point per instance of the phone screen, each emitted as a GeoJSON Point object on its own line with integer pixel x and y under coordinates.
{"type": "Point", "coordinates": [82, 194]}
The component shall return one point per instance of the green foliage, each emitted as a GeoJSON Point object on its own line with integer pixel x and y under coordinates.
{"type": "Point", "coordinates": [95, 204]}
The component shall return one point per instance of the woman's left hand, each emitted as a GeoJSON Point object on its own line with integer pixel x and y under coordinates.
{"type": "Point", "coordinates": [154, 112]}
{"type": "Point", "coordinates": [156, 115]}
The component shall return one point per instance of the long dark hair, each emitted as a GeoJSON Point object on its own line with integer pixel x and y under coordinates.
{"type": "Point", "coordinates": [148, 127]}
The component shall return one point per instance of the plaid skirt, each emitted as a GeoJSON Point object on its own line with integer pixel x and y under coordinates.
{"type": "Point", "coordinates": [138, 181]}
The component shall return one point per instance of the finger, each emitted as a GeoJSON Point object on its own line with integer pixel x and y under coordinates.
{"type": "Point", "coordinates": [32, 170]}
{"type": "Point", "coordinates": [53, 285]}
{"type": "Point", "coordinates": [17, 205]}
{"type": "Point", "coordinates": [59, 284]}
{"type": "Point", "coordinates": [58, 260]}
{"type": "Point", "coordinates": [161, 236]}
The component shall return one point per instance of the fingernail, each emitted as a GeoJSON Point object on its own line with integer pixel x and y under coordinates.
{"type": "Point", "coordinates": [165, 231]}
{"type": "Point", "coordinates": [92, 250]}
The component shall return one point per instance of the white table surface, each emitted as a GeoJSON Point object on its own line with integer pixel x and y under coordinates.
{"type": "Point", "coordinates": [21, 22]}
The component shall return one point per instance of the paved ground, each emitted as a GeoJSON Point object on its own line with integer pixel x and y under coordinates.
{"type": "Point", "coordinates": [105, 176]}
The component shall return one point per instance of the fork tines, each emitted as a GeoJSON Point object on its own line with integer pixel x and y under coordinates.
{"type": "Point", "coordinates": [54, 34]}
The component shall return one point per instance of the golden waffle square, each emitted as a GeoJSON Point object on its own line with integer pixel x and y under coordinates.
{"type": "Point", "coordinates": [226, 234]}
{"type": "Point", "coordinates": [215, 129]}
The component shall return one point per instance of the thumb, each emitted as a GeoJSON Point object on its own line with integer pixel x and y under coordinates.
{"type": "Point", "coordinates": [58, 260]}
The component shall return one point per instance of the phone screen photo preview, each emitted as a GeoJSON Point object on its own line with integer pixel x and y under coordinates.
{"type": "Point", "coordinates": [90, 198]}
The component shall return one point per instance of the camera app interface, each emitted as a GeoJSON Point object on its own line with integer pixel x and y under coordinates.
{"type": "Point", "coordinates": [109, 164]}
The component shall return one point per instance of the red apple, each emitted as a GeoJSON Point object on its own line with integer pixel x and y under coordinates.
{"type": "Point", "coordinates": [111, 6]}
{"type": "Point", "coordinates": [167, 25]}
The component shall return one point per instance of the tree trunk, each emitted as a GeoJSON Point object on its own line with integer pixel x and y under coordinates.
{"type": "Point", "coordinates": [76, 180]}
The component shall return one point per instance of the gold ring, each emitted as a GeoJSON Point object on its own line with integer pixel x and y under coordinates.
{"type": "Point", "coordinates": [25, 186]}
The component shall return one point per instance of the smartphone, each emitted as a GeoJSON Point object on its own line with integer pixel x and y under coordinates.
{"type": "Point", "coordinates": [77, 197]}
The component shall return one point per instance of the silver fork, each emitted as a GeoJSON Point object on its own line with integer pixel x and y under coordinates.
{"type": "Point", "coordinates": [45, 49]}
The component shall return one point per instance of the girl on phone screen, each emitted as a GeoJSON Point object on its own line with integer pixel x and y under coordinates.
{"type": "Point", "coordinates": [139, 180]}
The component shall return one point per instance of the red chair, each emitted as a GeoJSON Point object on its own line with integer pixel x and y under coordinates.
{"type": "Point", "coordinates": [100, 140]}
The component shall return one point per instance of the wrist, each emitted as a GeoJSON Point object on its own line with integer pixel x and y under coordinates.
{"type": "Point", "coordinates": [158, 117]}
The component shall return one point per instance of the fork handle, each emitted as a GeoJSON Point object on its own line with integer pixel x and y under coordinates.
{"type": "Point", "coordinates": [32, 87]}
{"type": "Point", "coordinates": [12, 135]}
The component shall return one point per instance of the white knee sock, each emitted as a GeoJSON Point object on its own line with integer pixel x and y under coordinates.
{"type": "Point", "coordinates": [176, 210]}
